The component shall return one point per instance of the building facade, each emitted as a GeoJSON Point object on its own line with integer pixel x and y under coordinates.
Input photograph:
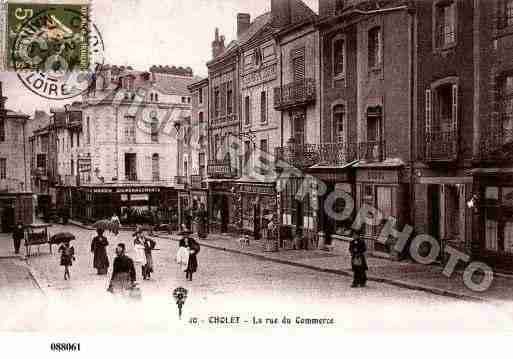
{"type": "Point", "coordinates": [15, 196]}
{"type": "Point", "coordinates": [120, 158]}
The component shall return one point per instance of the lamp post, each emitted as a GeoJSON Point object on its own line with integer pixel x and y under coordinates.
{"type": "Point", "coordinates": [180, 295]}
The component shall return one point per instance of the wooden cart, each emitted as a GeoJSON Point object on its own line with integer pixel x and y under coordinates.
{"type": "Point", "coordinates": [36, 235]}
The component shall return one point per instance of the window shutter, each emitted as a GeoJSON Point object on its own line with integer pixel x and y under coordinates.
{"type": "Point", "coordinates": [223, 100]}
{"type": "Point", "coordinates": [455, 106]}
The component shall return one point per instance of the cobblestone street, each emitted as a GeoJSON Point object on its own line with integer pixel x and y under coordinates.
{"type": "Point", "coordinates": [227, 284]}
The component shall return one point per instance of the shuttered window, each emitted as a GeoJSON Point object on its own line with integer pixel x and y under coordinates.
{"type": "Point", "coordinates": [298, 64]}
{"type": "Point", "coordinates": [263, 107]}
{"type": "Point", "coordinates": [247, 112]}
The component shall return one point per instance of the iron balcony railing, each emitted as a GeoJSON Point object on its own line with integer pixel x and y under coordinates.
{"type": "Point", "coordinates": [307, 155]}
{"type": "Point", "coordinates": [297, 93]}
{"type": "Point", "coordinates": [373, 151]}
{"type": "Point", "coordinates": [220, 169]}
{"type": "Point", "coordinates": [492, 141]}
{"type": "Point", "coordinates": [336, 153]}
{"type": "Point", "coordinates": [181, 180]}
{"type": "Point", "coordinates": [442, 144]}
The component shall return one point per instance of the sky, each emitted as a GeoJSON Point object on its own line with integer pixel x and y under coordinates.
{"type": "Point", "coordinates": [142, 33]}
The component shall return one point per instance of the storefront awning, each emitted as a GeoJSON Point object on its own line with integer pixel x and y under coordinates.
{"type": "Point", "coordinates": [334, 167]}
{"type": "Point", "coordinates": [391, 162]}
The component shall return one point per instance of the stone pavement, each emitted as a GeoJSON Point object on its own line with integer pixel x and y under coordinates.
{"type": "Point", "coordinates": [428, 278]}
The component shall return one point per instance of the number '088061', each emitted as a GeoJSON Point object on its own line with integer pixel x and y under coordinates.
{"type": "Point", "coordinates": [65, 347]}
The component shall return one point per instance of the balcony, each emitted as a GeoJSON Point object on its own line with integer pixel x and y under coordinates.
{"type": "Point", "coordinates": [197, 182]}
{"type": "Point", "coordinates": [336, 154]}
{"type": "Point", "coordinates": [298, 93]}
{"type": "Point", "coordinates": [221, 169]}
{"type": "Point", "coordinates": [181, 180]}
{"type": "Point", "coordinates": [71, 180]}
{"type": "Point", "coordinates": [372, 151]}
{"type": "Point", "coordinates": [492, 143]}
{"type": "Point", "coordinates": [442, 144]}
{"type": "Point", "coordinates": [300, 156]}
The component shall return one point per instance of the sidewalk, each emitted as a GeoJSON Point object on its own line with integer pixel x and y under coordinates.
{"type": "Point", "coordinates": [405, 274]}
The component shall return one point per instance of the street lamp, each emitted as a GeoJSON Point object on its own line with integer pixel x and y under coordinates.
{"type": "Point", "coordinates": [180, 295]}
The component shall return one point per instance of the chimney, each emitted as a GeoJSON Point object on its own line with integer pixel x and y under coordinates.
{"type": "Point", "coordinates": [217, 44]}
{"type": "Point", "coordinates": [243, 21]}
{"type": "Point", "coordinates": [280, 10]}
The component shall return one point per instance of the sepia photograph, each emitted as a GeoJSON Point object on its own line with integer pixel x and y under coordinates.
{"type": "Point", "coordinates": [185, 167]}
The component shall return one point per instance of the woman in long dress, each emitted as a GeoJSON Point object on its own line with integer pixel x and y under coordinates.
{"type": "Point", "coordinates": [192, 265]}
{"type": "Point", "coordinates": [149, 246]}
{"type": "Point", "coordinates": [99, 250]}
{"type": "Point", "coordinates": [139, 255]}
{"type": "Point", "coordinates": [123, 273]}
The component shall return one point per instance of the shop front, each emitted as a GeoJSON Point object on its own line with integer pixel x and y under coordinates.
{"type": "Point", "coordinates": [221, 207]}
{"type": "Point", "coordinates": [15, 208]}
{"type": "Point", "coordinates": [384, 188]}
{"type": "Point", "coordinates": [257, 205]}
{"type": "Point", "coordinates": [338, 185]}
{"type": "Point", "coordinates": [492, 241]}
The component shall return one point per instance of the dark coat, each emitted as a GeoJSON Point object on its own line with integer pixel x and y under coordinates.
{"type": "Point", "coordinates": [123, 264]}
{"type": "Point", "coordinates": [357, 248]}
{"type": "Point", "coordinates": [67, 255]}
{"type": "Point", "coordinates": [99, 248]}
{"type": "Point", "coordinates": [194, 246]}
{"type": "Point", "coordinates": [18, 233]}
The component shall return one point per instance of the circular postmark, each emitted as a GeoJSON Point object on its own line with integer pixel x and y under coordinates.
{"type": "Point", "coordinates": [57, 52]}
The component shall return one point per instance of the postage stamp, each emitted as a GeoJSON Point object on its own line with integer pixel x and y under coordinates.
{"type": "Point", "coordinates": [51, 46]}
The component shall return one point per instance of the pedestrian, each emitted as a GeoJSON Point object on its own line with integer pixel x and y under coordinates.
{"type": "Point", "coordinates": [357, 248]}
{"type": "Point", "coordinates": [99, 250]}
{"type": "Point", "coordinates": [192, 265]}
{"type": "Point", "coordinates": [67, 258]}
{"type": "Point", "coordinates": [123, 272]}
{"type": "Point", "coordinates": [149, 246]}
{"type": "Point", "coordinates": [203, 221]}
{"type": "Point", "coordinates": [182, 256]}
{"type": "Point", "coordinates": [139, 256]}
{"type": "Point", "coordinates": [17, 235]}
{"type": "Point", "coordinates": [115, 224]}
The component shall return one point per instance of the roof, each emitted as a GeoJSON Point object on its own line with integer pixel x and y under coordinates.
{"type": "Point", "coordinates": [174, 85]}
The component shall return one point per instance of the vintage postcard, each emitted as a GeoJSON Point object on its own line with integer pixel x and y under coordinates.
{"type": "Point", "coordinates": [287, 166]}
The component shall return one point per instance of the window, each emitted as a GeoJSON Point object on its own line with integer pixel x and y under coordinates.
{"type": "Point", "coordinates": [200, 117]}
{"type": "Point", "coordinates": [131, 166]}
{"type": "Point", "coordinates": [200, 95]}
{"type": "Point", "coordinates": [130, 129]}
{"type": "Point", "coordinates": [247, 110]}
{"type": "Point", "coordinates": [156, 96]}
{"type": "Point", "coordinates": [188, 100]}
{"type": "Point", "coordinates": [374, 45]}
{"type": "Point", "coordinates": [155, 167]}
{"type": "Point", "coordinates": [72, 165]}
{"type": "Point", "coordinates": [247, 156]}
{"type": "Point", "coordinates": [339, 5]}
{"type": "Point", "coordinates": [339, 57]}
{"type": "Point", "coordinates": [445, 24]}
{"type": "Point", "coordinates": [201, 165]}
{"type": "Point", "coordinates": [263, 159]}
{"type": "Point", "coordinates": [183, 99]}
{"type": "Point", "coordinates": [78, 139]}
{"type": "Point", "coordinates": [374, 124]}
{"type": "Point", "coordinates": [216, 145]}
{"type": "Point", "coordinates": [339, 116]}
{"type": "Point", "coordinates": [507, 16]}
{"type": "Point", "coordinates": [257, 56]}
{"type": "Point", "coordinates": [185, 168]}
{"type": "Point", "coordinates": [88, 124]}
{"type": "Point", "coordinates": [71, 139]}
{"type": "Point", "coordinates": [3, 168]}
{"type": "Point", "coordinates": [229, 98]}
{"type": "Point", "coordinates": [216, 102]}
{"type": "Point", "coordinates": [154, 128]}
{"type": "Point", "coordinates": [151, 97]}
{"type": "Point", "coordinates": [2, 130]}
{"type": "Point", "coordinates": [298, 127]}
{"type": "Point", "coordinates": [263, 107]}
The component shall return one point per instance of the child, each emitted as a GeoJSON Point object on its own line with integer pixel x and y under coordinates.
{"type": "Point", "coordinates": [182, 256]}
{"type": "Point", "coordinates": [67, 258]}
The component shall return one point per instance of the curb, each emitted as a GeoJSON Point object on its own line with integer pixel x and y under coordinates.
{"type": "Point", "coordinates": [394, 282]}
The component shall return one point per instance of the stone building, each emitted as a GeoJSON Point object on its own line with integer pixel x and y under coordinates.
{"type": "Point", "coordinates": [15, 196]}
{"type": "Point", "coordinates": [121, 156]}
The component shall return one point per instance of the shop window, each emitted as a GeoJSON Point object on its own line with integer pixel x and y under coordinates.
{"type": "Point", "coordinates": [445, 24]}
{"type": "Point", "coordinates": [339, 116]}
{"type": "Point", "coordinates": [498, 216]}
{"type": "Point", "coordinates": [374, 48]}
{"type": "Point", "coordinates": [339, 57]}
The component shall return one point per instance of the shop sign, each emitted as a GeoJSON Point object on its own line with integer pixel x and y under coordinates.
{"type": "Point", "coordinates": [263, 75]}
{"type": "Point", "coordinates": [221, 186]}
{"type": "Point", "coordinates": [251, 188]}
{"type": "Point", "coordinates": [377, 176]}
{"type": "Point", "coordinates": [332, 177]}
